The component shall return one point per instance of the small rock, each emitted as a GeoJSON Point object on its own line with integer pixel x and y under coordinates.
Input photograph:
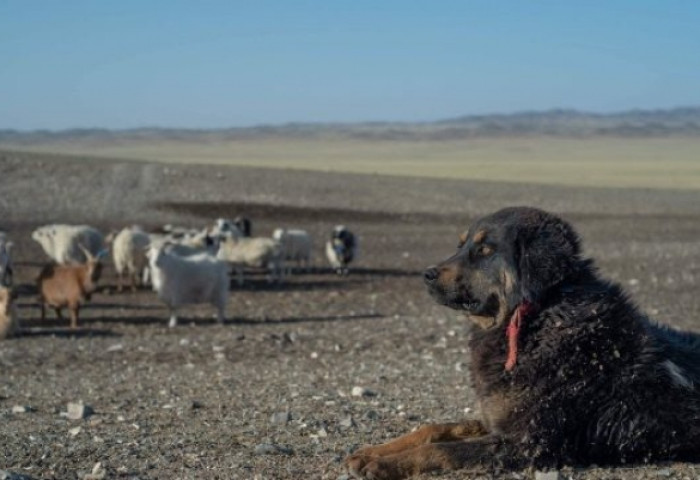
{"type": "Point", "coordinates": [347, 422]}
{"type": "Point", "coordinates": [74, 431]}
{"type": "Point", "coordinates": [21, 409]}
{"type": "Point", "coordinates": [550, 475]}
{"type": "Point", "coordinates": [322, 433]}
{"type": "Point", "coordinates": [371, 415]}
{"type": "Point", "coordinates": [98, 473]}
{"type": "Point", "coordinates": [362, 392]}
{"type": "Point", "coordinates": [280, 418]}
{"type": "Point", "coordinates": [197, 404]}
{"type": "Point", "coordinates": [115, 348]}
{"type": "Point", "coordinates": [272, 449]}
{"type": "Point", "coordinates": [663, 472]}
{"type": "Point", "coordinates": [78, 411]}
{"type": "Point", "coordinates": [344, 476]}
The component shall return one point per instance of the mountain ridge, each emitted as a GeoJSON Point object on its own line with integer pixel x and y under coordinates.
{"type": "Point", "coordinates": [638, 123]}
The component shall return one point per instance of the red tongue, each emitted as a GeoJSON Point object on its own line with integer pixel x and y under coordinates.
{"type": "Point", "coordinates": [513, 331]}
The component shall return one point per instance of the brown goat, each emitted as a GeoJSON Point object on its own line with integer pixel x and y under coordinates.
{"type": "Point", "coordinates": [8, 321]}
{"type": "Point", "coordinates": [68, 286]}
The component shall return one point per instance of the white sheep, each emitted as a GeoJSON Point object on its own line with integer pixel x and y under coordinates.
{"type": "Point", "coordinates": [181, 281]}
{"type": "Point", "coordinates": [129, 255]}
{"type": "Point", "coordinates": [257, 252]}
{"type": "Point", "coordinates": [5, 260]}
{"type": "Point", "coordinates": [62, 242]}
{"type": "Point", "coordinates": [297, 246]}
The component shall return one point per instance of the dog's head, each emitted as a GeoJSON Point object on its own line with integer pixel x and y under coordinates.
{"type": "Point", "coordinates": [513, 256]}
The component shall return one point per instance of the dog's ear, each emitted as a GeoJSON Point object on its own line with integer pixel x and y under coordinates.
{"type": "Point", "coordinates": [548, 252]}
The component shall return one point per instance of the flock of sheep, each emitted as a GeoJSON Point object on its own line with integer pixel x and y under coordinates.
{"type": "Point", "coordinates": [183, 266]}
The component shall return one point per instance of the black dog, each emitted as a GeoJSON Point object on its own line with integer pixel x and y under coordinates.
{"type": "Point", "coordinates": [566, 369]}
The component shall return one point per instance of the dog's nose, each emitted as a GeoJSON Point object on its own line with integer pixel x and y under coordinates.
{"type": "Point", "coordinates": [430, 275]}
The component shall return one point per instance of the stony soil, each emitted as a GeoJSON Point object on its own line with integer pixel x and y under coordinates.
{"type": "Point", "coordinates": [208, 401]}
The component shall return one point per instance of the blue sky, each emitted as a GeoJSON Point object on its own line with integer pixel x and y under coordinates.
{"type": "Point", "coordinates": [204, 64]}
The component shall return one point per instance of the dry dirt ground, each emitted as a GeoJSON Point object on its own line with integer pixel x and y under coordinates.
{"type": "Point", "coordinates": [205, 401]}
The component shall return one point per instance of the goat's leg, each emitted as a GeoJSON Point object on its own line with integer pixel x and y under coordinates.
{"type": "Point", "coordinates": [74, 310]}
{"type": "Point", "coordinates": [173, 318]}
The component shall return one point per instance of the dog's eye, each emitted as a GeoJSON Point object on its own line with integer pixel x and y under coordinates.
{"type": "Point", "coordinates": [485, 250]}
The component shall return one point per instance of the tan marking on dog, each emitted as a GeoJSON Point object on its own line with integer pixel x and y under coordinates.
{"type": "Point", "coordinates": [425, 435]}
{"type": "Point", "coordinates": [463, 237]}
{"type": "Point", "coordinates": [479, 236]}
{"type": "Point", "coordinates": [508, 282]}
{"type": "Point", "coordinates": [448, 275]}
{"type": "Point", "coordinates": [482, 321]}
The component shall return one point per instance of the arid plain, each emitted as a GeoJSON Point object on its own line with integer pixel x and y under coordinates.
{"type": "Point", "coordinates": [203, 400]}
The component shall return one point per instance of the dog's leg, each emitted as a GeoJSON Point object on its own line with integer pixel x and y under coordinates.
{"type": "Point", "coordinates": [448, 432]}
{"type": "Point", "coordinates": [489, 452]}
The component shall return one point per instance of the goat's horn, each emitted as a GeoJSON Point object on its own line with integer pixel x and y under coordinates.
{"type": "Point", "coordinates": [88, 255]}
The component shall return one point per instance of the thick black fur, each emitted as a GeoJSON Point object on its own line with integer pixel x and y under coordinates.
{"type": "Point", "coordinates": [595, 381]}
{"type": "Point", "coordinates": [347, 240]}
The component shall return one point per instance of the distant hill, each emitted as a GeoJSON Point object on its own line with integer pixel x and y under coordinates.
{"type": "Point", "coordinates": [553, 123]}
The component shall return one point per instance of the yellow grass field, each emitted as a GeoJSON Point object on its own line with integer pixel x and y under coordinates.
{"type": "Point", "coordinates": [606, 162]}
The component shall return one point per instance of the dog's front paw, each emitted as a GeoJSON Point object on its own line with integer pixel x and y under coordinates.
{"type": "Point", "coordinates": [357, 461]}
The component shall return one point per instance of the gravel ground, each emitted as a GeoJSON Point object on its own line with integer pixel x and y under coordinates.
{"type": "Point", "coordinates": [269, 395]}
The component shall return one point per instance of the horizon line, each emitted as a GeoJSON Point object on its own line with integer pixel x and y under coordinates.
{"type": "Point", "coordinates": [292, 123]}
